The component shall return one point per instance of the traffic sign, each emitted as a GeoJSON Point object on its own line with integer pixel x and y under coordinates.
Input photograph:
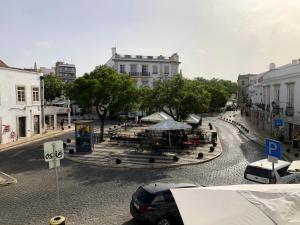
{"type": "Point", "coordinates": [273, 148]}
{"type": "Point", "coordinates": [279, 122]}
{"type": "Point", "coordinates": [53, 150]}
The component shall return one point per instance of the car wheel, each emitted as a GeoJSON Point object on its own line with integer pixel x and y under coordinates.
{"type": "Point", "coordinates": [163, 221]}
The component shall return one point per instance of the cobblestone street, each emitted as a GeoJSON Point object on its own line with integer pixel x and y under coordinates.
{"type": "Point", "coordinates": [93, 195]}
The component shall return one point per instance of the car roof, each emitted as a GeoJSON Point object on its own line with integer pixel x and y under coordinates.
{"type": "Point", "coordinates": [165, 185]}
{"type": "Point", "coordinates": [265, 164]}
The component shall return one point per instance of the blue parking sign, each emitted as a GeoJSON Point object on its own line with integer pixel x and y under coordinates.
{"type": "Point", "coordinates": [279, 122]}
{"type": "Point", "coordinates": [273, 148]}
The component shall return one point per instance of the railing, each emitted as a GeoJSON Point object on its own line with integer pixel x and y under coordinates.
{"type": "Point", "coordinates": [134, 73]}
{"type": "Point", "coordinates": [277, 110]}
{"type": "Point", "coordinates": [289, 111]}
{"type": "Point", "coordinates": [145, 73]}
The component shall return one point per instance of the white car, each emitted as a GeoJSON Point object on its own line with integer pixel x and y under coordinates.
{"type": "Point", "coordinates": [261, 172]}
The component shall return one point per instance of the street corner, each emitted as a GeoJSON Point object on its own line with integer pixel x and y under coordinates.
{"type": "Point", "coordinates": [6, 179]}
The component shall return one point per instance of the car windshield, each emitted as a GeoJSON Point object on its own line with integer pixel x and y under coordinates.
{"type": "Point", "coordinates": [144, 196]}
{"type": "Point", "coordinates": [259, 172]}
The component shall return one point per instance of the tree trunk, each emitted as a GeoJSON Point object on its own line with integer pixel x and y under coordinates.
{"type": "Point", "coordinates": [102, 111]}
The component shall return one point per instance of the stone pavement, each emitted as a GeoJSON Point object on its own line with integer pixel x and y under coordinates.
{"type": "Point", "coordinates": [258, 135]}
{"type": "Point", "coordinates": [132, 156]}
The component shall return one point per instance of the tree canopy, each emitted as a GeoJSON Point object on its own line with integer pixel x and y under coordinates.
{"type": "Point", "coordinates": [106, 90]}
{"type": "Point", "coordinates": [54, 87]}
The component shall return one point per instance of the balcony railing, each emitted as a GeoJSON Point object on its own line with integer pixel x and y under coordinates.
{"type": "Point", "coordinates": [134, 73]}
{"type": "Point", "coordinates": [277, 110]}
{"type": "Point", "coordinates": [289, 111]}
{"type": "Point", "coordinates": [146, 74]}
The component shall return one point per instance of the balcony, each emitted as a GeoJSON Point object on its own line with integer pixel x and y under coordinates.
{"type": "Point", "coordinates": [277, 110]}
{"type": "Point", "coordinates": [289, 111]}
{"type": "Point", "coordinates": [145, 73]}
{"type": "Point", "coordinates": [135, 74]}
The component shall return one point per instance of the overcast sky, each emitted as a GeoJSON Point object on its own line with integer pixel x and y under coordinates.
{"type": "Point", "coordinates": [214, 38]}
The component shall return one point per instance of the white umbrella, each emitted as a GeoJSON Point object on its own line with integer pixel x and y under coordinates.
{"type": "Point", "coordinates": [169, 125]}
{"type": "Point", "coordinates": [157, 117]}
{"type": "Point", "coordinates": [192, 119]}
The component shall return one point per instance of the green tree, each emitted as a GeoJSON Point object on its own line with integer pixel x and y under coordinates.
{"type": "Point", "coordinates": [106, 90]}
{"type": "Point", "coordinates": [54, 87]}
{"type": "Point", "coordinates": [178, 97]}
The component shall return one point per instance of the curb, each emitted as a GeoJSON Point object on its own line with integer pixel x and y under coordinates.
{"type": "Point", "coordinates": [256, 142]}
{"type": "Point", "coordinates": [10, 180]}
{"type": "Point", "coordinates": [32, 141]}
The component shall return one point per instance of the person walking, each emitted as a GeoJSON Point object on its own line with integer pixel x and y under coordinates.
{"type": "Point", "coordinates": [62, 124]}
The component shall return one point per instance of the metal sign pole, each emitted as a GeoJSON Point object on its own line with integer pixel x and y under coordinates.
{"type": "Point", "coordinates": [56, 178]}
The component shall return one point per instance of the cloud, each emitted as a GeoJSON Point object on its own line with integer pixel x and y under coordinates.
{"type": "Point", "coordinates": [43, 44]}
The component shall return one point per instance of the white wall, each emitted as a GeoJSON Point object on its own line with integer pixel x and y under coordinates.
{"type": "Point", "coordinates": [10, 109]}
{"type": "Point", "coordinates": [282, 76]}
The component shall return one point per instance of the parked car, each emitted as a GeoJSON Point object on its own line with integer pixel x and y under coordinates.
{"type": "Point", "coordinates": [154, 203]}
{"type": "Point", "coordinates": [261, 172]}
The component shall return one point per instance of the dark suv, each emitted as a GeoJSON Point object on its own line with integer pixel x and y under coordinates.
{"type": "Point", "coordinates": [154, 203]}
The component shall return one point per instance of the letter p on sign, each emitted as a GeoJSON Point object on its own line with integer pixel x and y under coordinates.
{"type": "Point", "coordinates": [273, 148]}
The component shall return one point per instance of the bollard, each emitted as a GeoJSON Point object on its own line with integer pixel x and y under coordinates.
{"type": "Point", "coordinates": [200, 155]}
{"type": "Point", "coordinates": [58, 220]}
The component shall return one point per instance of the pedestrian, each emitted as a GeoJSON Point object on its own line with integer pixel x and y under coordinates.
{"type": "Point", "coordinates": [62, 124]}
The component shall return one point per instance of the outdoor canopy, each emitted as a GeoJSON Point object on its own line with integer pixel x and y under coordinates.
{"type": "Point", "coordinates": [157, 117]}
{"type": "Point", "coordinates": [269, 204]}
{"type": "Point", "coordinates": [169, 125]}
{"type": "Point", "coordinates": [192, 119]}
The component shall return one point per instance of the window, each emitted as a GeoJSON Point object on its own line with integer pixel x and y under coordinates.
{"type": "Point", "coordinates": [290, 95]}
{"type": "Point", "coordinates": [276, 94]}
{"type": "Point", "coordinates": [283, 171]}
{"type": "Point", "coordinates": [243, 82]}
{"type": "Point", "coordinates": [166, 69]}
{"type": "Point", "coordinates": [144, 69]}
{"type": "Point", "coordinates": [21, 94]}
{"type": "Point", "coordinates": [133, 68]}
{"type": "Point", "coordinates": [155, 69]}
{"type": "Point", "coordinates": [35, 94]}
{"type": "Point", "coordinates": [122, 68]}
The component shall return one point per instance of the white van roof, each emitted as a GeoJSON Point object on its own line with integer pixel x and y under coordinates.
{"type": "Point", "coordinates": [265, 164]}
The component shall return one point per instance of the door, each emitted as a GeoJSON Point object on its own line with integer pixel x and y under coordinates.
{"type": "Point", "coordinates": [36, 125]}
{"type": "Point", "coordinates": [22, 126]}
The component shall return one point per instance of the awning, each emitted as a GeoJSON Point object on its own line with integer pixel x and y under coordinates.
{"type": "Point", "coordinates": [240, 205]}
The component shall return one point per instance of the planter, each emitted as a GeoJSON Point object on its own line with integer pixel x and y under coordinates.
{"type": "Point", "coordinates": [71, 151]}
{"type": "Point", "coordinates": [200, 155]}
{"type": "Point", "coordinates": [118, 161]}
{"type": "Point", "coordinates": [211, 149]}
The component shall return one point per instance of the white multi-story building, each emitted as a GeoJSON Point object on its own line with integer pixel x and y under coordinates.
{"type": "Point", "coordinates": [275, 96]}
{"type": "Point", "coordinates": [21, 98]}
{"type": "Point", "coordinates": [145, 69]}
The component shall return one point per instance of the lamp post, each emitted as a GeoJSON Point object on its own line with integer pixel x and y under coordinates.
{"type": "Point", "coordinates": [69, 114]}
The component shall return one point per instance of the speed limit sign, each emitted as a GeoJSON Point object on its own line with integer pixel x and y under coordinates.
{"type": "Point", "coordinates": [53, 150]}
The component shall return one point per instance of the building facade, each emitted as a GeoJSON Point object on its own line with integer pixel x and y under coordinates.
{"type": "Point", "coordinates": [244, 82]}
{"type": "Point", "coordinates": [145, 69]}
{"type": "Point", "coordinates": [66, 72]}
{"type": "Point", "coordinates": [47, 71]}
{"type": "Point", "coordinates": [275, 97]}
{"type": "Point", "coordinates": [21, 100]}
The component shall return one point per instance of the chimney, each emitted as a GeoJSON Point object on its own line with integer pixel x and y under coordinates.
{"type": "Point", "coordinates": [272, 66]}
{"type": "Point", "coordinates": [35, 67]}
{"type": "Point", "coordinates": [114, 51]}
